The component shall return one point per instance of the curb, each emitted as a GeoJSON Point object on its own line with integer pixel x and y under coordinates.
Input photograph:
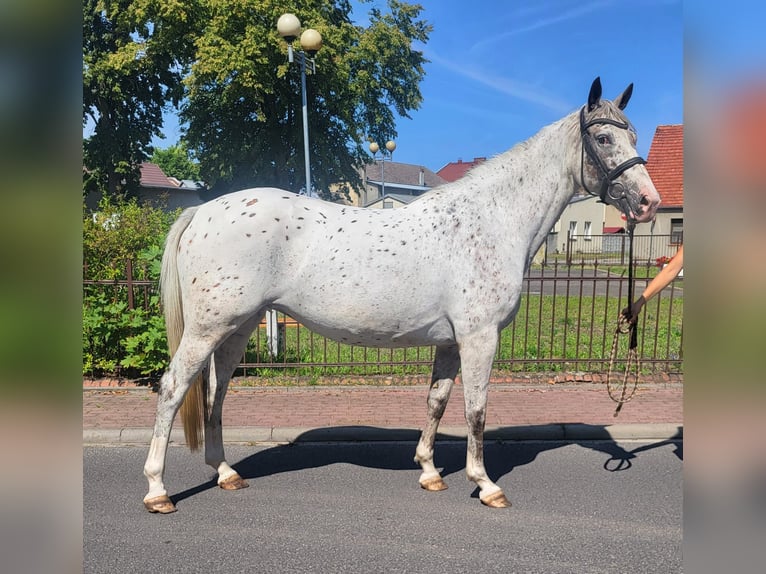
{"type": "Point", "coordinates": [307, 435]}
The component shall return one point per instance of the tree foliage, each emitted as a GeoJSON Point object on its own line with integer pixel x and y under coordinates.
{"type": "Point", "coordinates": [177, 161]}
{"type": "Point", "coordinates": [243, 106]}
{"type": "Point", "coordinates": [135, 56]}
{"type": "Point", "coordinates": [225, 63]}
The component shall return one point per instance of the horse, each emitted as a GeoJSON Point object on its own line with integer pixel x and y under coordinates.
{"type": "Point", "coordinates": [445, 270]}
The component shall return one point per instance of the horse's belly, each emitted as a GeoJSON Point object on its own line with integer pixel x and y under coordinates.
{"type": "Point", "coordinates": [371, 331]}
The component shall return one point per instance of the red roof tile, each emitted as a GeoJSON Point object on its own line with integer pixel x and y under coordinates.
{"type": "Point", "coordinates": [665, 164]}
{"type": "Point", "coordinates": [455, 170]}
{"type": "Point", "coordinates": [153, 176]}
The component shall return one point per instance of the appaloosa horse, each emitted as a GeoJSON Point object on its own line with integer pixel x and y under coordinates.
{"type": "Point", "coordinates": [445, 270]}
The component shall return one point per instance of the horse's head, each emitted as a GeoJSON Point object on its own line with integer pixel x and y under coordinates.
{"type": "Point", "coordinates": [609, 165]}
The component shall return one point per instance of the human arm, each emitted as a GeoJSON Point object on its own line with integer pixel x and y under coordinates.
{"type": "Point", "coordinates": [661, 280]}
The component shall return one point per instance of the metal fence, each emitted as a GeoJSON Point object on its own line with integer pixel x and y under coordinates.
{"type": "Point", "coordinates": [566, 322]}
{"type": "Point", "coordinates": [613, 249]}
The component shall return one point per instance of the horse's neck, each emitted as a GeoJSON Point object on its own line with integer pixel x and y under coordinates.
{"type": "Point", "coordinates": [528, 187]}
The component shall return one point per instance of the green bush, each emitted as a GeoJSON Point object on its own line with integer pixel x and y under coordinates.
{"type": "Point", "coordinates": [118, 340]}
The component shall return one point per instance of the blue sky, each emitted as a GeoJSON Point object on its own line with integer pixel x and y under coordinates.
{"type": "Point", "coordinates": [500, 70]}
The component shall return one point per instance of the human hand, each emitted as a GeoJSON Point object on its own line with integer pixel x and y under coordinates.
{"type": "Point", "coordinates": [630, 313]}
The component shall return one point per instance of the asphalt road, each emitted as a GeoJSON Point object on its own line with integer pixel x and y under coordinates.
{"type": "Point", "coordinates": [357, 507]}
{"type": "Point", "coordinates": [576, 283]}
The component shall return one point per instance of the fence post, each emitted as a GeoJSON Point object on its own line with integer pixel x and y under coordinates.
{"type": "Point", "coordinates": [622, 250]}
{"type": "Point", "coordinates": [273, 333]}
{"type": "Point", "coordinates": [129, 283]}
{"type": "Point", "coordinates": [569, 246]}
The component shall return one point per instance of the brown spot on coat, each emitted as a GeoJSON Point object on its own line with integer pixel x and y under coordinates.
{"type": "Point", "coordinates": [251, 202]}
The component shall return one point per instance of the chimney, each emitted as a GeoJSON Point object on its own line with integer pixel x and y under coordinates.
{"type": "Point", "coordinates": [422, 177]}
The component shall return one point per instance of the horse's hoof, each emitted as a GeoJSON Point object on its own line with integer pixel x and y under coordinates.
{"type": "Point", "coordinates": [434, 484]}
{"type": "Point", "coordinates": [160, 504]}
{"type": "Point", "coordinates": [234, 482]}
{"type": "Point", "coordinates": [496, 500]}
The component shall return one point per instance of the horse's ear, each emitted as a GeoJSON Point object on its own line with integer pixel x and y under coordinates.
{"type": "Point", "coordinates": [595, 94]}
{"type": "Point", "coordinates": [622, 100]}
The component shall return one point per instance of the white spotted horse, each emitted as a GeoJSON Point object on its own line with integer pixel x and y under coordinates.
{"type": "Point", "coordinates": [445, 270]}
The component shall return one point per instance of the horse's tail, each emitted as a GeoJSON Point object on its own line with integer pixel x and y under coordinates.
{"type": "Point", "coordinates": [193, 406]}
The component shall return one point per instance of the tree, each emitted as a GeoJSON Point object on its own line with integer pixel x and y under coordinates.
{"type": "Point", "coordinates": [177, 161]}
{"type": "Point", "coordinates": [135, 55]}
{"type": "Point", "coordinates": [243, 101]}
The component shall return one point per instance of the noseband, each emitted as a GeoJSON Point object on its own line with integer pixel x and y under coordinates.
{"type": "Point", "coordinates": [609, 189]}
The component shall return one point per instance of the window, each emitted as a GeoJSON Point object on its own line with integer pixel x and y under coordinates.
{"type": "Point", "coordinates": [572, 230]}
{"type": "Point", "coordinates": [588, 231]}
{"type": "Point", "coordinates": [388, 204]}
{"type": "Point", "coordinates": [676, 231]}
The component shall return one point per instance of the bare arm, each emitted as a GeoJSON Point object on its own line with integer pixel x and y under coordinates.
{"type": "Point", "coordinates": [662, 280]}
{"type": "Point", "coordinates": [665, 276]}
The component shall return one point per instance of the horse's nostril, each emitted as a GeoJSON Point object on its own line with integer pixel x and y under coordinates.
{"type": "Point", "coordinates": [644, 200]}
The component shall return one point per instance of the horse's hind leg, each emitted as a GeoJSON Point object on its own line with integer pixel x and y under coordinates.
{"type": "Point", "coordinates": [222, 366]}
{"type": "Point", "coordinates": [183, 369]}
{"type": "Point", "coordinates": [446, 365]}
{"type": "Point", "coordinates": [477, 351]}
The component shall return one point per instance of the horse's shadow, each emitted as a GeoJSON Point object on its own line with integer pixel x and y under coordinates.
{"type": "Point", "coordinates": [394, 449]}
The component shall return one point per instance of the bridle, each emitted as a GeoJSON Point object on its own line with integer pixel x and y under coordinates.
{"type": "Point", "coordinates": [610, 189]}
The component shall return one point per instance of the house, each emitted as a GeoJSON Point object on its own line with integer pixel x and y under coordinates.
{"type": "Point", "coordinates": [159, 190]}
{"type": "Point", "coordinates": [169, 193]}
{"type": "Point", "coordinates": [389, 184]}
{"type": "Point", "coordinates": [665, 165]}
{"type": "Point", "coordinates": [454, 170]}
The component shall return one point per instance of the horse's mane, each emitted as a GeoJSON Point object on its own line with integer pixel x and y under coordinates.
{"type": "Point", "coordinates": [605, 109]}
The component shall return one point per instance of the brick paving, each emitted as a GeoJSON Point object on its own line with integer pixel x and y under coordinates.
{"type": "Point", "coordinates": [110, 405]}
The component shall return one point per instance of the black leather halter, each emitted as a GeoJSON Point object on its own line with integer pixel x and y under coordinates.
{"type": "Point", "coordinates": [609, 188]}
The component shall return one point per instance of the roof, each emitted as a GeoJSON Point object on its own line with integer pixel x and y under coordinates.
{"type": "Point", "coordinates": [665, 164]}
{"type": "Point", "coordinates": [455, 170]}
{"type": "Point", "coordinates": [402, 199]}
{"type": "Point", "coordinates": [153, 176]}
{"type": "Point", "coordinates": [403, 173]}
{"type": "Point", "coordinates": [607, 230]}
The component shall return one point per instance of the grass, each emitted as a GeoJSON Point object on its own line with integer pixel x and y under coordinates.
{"type": "Point", "coordinates": [551, 333]}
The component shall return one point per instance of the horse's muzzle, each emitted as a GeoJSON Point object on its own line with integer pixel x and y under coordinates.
{"type": "Point", "coordinates": [648, 202]}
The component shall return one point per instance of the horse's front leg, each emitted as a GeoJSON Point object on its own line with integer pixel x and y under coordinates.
{"type": "Point", "coordinates": [477, 353]}
{"type": "Point", "coordinates": [222, 366]}
{"type": "Point", "coordinates": [446, 365]}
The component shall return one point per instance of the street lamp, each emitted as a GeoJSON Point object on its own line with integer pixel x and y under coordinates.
{"type": "Point", "coordinates": [374, 148]}
{"type": "Point", "coordinates": [289, 27]}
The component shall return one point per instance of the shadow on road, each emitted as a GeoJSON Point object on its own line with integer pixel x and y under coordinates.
{"type": "Point", "coordinates": [394, 449]}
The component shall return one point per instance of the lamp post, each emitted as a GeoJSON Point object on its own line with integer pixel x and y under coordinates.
{"type": "Point", "coordinates": [289, 27]}
{"type": "Point", "coordinates": [374, 148]}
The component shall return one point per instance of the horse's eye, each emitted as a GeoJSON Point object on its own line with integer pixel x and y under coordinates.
{"type": "Point", "coordinates": [602, 140]}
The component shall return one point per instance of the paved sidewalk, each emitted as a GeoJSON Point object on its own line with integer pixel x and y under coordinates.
{"type": "Point", "coordinates": [536, 411]}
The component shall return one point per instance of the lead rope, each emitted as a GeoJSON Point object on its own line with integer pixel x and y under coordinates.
{"type": "Point", "coordinates": [625, 327]}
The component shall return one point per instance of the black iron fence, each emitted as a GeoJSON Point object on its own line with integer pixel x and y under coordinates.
{"type": "Point", "coordinates": [614, 249]}
{"type": "Point", "coordinates": [566, 322]}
